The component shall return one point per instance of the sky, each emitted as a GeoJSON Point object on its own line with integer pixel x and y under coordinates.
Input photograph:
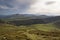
{"type": "Point", "coordinates": [38, 7]}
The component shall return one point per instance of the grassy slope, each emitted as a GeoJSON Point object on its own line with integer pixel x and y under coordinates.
{"type": "Point", "coordinates": [32, 32]}
{"type": "Point", "coordinates": [46, 27]}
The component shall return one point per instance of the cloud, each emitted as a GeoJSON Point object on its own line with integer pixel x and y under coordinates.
{"type": "Point", "coordinates": [15, 5]}
{"type": "Point", "coordinates": [46, 7]}
{"type": "Point", "coordinates": [4, 7]}
{"type": "Point", "coordinates": [40, 7]}
{"type": "Point", "coordinates": [50, 2]}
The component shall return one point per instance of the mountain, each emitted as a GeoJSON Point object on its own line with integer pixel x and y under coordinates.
{"type": "Point", "coordinates": [24, 17]}
{"type": "Point", "coordinates": [35, 20]}
{"type": "Point", "coordinates": [2, 16]}
{"type": "Point", "coordinates": [29, 16]}
{"type": "Point", "coordinates": [27, 19]}
{"type": "Point", "coordinates": [52, 19]}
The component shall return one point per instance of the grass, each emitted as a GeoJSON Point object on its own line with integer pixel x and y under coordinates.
{"type": "Point", "coordinates": [31, 32]}
{"type": "Point", "coordinates": [45, 27]}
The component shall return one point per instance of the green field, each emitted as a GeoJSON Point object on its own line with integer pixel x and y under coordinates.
{"type": "Point", "coordinates": [30, 32]}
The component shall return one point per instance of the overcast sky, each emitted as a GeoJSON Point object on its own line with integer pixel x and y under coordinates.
{"type": "Point", "coordinates": [45, 7]}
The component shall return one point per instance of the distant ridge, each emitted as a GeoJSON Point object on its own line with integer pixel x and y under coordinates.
{"type": "Point", "coordinates": [28, 16]}
{"type": "Point", "coordinates": [30, 19]}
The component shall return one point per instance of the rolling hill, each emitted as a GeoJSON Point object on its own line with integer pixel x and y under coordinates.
{"type": "Point", "coordinates": [16, 27]}
{"type": "Point", "coordinates": [28, 19]}
{"type": "Point", "coordinates": [31, 32]}
{"type": "Point", "coordinates": [23, 17]}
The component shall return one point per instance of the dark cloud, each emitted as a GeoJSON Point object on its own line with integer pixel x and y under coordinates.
{"type": "Point", "coordinates": [14, 6]}
{"type": "Point", "coordinates": [50, 2]}
{"type": "Point", "coordinates": [7, 3]}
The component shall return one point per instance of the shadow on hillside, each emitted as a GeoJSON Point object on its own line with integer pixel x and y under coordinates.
{"type": "Point", "coordinates": [57, 24]}
{"type": "Point", "coordinates": [27, 22]}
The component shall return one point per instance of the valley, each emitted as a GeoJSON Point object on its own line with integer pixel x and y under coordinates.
{"type": "Point", "coordinates": [30, 28]}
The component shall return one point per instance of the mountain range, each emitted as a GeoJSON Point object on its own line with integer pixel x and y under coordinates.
{"type": "Point", "coordinates": [23, 16]}
{"type": "Point", "coordinates": [24, 19]}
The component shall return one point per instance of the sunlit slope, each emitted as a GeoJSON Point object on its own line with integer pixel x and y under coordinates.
{"type": "Point", "coordinates": [29, 32]}
{"type": "Point", "coordinates": [43, 27]}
